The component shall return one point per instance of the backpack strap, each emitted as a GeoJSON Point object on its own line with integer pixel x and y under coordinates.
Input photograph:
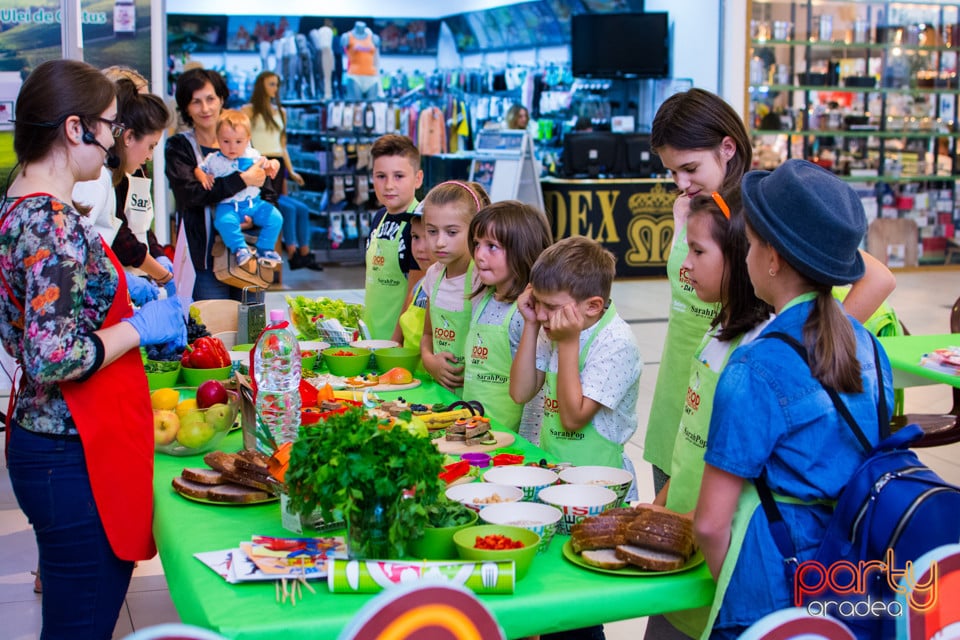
{"type": "Point", "coordinates": [778, 528]}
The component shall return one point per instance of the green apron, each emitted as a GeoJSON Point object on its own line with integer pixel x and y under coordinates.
{"type": "Point", "coordinates": [386, 283]}
{"type": "Point", "coordinates": [411, 321]}
{"type": "Point", "coordinates": [688, 320]}
{"type": "Point", "coordinates": [746, 505]}
{"type": "Point", "coordinates": [586, 446]}
{"type": "Point", "coordinates": [488, 359]}
{"type": "Point", "coordinates": [450, 328]}
{"type": "Point", "coordinates": [686, 469]}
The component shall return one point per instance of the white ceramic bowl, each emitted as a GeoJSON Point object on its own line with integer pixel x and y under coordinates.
{"type": "Point", "coordinates": [577, 501]}
{"type": "Point", "coordinates": [614, 478]}
{"type": "Point", "coordinates": [530, 479]}
{"type": "Point", "coordinates": [313, 345]}
{"type": "Point", "coordinates": [373, 345]}
{"type": "Point", "coordinates": [535, 516]}
{"type": "Point", "coordinates": [478, 495]}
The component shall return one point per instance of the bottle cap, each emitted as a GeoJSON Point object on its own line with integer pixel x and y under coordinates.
{"type": "Point", "coordinates": [276, 315]}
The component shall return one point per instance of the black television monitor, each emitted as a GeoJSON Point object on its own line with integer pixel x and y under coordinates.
{"type": "Point", "coordinates": [620, 45]}
{"type": "Point", "coordinates": [639, 160]}
{"type": "Point", "coordinates": [592, 153]}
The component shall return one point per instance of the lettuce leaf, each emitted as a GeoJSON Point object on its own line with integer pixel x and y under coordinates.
{"type": "Point", "coordinates": [303, 310]}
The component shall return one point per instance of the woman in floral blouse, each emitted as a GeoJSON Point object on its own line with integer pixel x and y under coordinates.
{"type": "Point", "coordinates": [80, 462]}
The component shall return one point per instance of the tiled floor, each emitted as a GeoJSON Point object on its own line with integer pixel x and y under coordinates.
{"type": "Point", "coordinates": [922, 298]}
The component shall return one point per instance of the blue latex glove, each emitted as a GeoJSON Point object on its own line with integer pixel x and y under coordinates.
{"type": "Point", "coordinates": [160, 321]}
{"type": "Point", "coordinates": [141, 290]}
{"type": "Point", "coordinates": [165, 261]}
{"type": "Point", "coordinates": [171, 289]}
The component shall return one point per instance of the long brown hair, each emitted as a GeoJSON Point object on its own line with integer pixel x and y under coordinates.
{"type": "Point", "coordinates": [522, 231]}
{"type": "Point", "coordinates": [831, 344]}
{"type": "Point", "coordinates": [54, 91]}
{"type": "Point", "coordinates": [262, 105]}
{"type": "Point", "coordinates": [141, 114]}
{"type": "Point", "coordinates": [740, 308]}
{"type": "Point", "coordinates": [698, 119]}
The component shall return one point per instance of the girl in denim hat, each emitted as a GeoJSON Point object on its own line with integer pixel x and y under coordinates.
{"type": "Point", "coordinates": [771, 413]}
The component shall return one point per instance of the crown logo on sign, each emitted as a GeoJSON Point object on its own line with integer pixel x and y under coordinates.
{"type": "Point", "coordinates": [657, 199]}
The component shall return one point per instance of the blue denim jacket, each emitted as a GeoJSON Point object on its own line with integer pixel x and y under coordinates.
{"type": "Point", "coordinates": [771, 413]}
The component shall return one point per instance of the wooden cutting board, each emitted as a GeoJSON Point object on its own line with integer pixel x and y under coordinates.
{"type": "Point", "coordinates": [384, 387]}
{"type": "Point", "coordinates": [504, 439]}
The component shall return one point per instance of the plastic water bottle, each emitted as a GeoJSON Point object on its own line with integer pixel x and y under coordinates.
{"type": "Point", "coordinates": [276, 368]}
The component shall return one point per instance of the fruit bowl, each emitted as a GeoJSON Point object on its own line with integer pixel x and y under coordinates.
{"type": "Point", "coordinates": [194, 377]}
{"type": "Point", "coordinates": [188, 430]}
{"type": "Point", "coordinates": [346, 361]}
{"type": "Point", "coordinates": [466, 540]}
{"type": "Point", "coordinates": [405, 357]}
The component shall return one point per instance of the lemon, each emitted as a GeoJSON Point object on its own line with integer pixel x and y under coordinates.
{"type": "Point", "coordinates": [186, 406]}
{"type": "Point", "coordinates": [164, 399]}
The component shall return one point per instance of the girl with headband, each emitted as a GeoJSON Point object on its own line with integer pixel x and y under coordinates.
{"type": "Point", "coordinates": [447, 212]}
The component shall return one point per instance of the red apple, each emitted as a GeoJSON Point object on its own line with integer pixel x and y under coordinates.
{"type": "Point", "coordinates": [211, 392]}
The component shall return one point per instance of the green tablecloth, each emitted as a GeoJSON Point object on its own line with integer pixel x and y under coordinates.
{"type": "Point", "coordinates": [905, 353]}
{"type": "Point", "coordinates": [554, 596]}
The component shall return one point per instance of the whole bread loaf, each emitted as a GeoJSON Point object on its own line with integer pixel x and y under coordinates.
{"type": "Point", "coordinates": [647, 536]}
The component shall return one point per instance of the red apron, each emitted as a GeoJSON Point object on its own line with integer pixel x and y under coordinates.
{"type": "Point", "coordinates": [117, 437]}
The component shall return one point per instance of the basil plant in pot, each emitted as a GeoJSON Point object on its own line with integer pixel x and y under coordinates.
{"type": "Point", "coordinates": [378, 479]}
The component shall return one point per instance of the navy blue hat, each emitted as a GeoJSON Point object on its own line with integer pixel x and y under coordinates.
{"type": "Point", "coordinates": [811, 217]}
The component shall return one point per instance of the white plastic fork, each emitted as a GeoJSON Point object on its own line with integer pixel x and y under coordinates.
{"type": "Point", "coordinates": [489, 574]}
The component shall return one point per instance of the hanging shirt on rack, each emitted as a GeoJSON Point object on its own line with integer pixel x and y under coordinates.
{"type": "Point", "coordinates": [431, 132]}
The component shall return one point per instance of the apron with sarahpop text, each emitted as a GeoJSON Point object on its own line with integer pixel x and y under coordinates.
{"type": "Point", "coordinates": [386, 284]}
{"type": "Point", "coordinates": [411, 320]}
{"type": "Point", "coordinates": [687, 465]}
{"type": "Point", "coordinates": [138, 209]}
{"type": "Point", "coordinates": [586, 446]}
{"type": "Point", "coordinates": [486, 376]}
{"type": "Point", "coordinates": [688, 320]}
{"type": "Point", "coordinates": [450, 327]}
{"type": "Point", "coordinates": [117, 437]}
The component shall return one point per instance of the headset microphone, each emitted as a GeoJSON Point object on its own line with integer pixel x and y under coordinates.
{"type": "Point", "coordinates": [113, 160]}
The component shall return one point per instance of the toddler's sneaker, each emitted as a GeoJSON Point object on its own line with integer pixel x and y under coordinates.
{"type": "Point", "coordinates": [243, 256]}
{"type": "Point", "coordinates": [270, 259]}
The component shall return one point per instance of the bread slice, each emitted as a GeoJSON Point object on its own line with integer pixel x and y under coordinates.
{"type": "Point", "coordinates": [249, 460]}
{"type": "Point", "coordinates": [202, 475]}
{"type": "Point", "coordinates": [649, 559]}
{"type": "Point", "coordinates": [236, 493]}
{"type": "Point", "coordinates": [221, 461]}
{"type": "Point", "coordinates": [455, 437]}
{"type": "Point", "coordinates": [679, 545]}
{"type": "Point", "coordinates": [190, 488]}
{"type": "Point", "coordinates": [253, 481]}
{"type": "Point", "coordinates": [603, 558]}
{"type": "Point", "coordinates": [581, 543]}
{"type": "Point", "coordinates": [485, 438]}
{"type": "Point", "coordinates": [458, 427]}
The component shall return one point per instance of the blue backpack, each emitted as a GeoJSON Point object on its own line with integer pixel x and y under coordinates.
{"type": "Point", "coordinates": [892, 502]}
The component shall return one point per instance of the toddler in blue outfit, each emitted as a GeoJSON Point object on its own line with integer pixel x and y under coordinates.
{"type": "Point", "coordinates": [236, 154]}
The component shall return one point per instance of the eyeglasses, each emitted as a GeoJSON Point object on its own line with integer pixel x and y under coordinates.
{"type": "Point", "coordinates": [116, 128]}
{"type": "Point", "coordinates": [722, 204]}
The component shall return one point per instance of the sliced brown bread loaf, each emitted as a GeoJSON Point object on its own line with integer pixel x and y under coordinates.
{"type": "Point", "coordinates": [649, 559]}
{"type": "Point", "coordinates": [603, 559]}
{"type": "Point", "coordinates": [202, 475]}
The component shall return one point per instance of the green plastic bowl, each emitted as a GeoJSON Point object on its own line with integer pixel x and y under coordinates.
{"type": "Point", "coordinates": [436, 543]}
{"type": "Point", "coordinates": [406, 357]}
{"type": "Point", "coordinates": [246, 346]}
{"type": "Point", "coordinates": [465, 539]}
{"type": "Point", "coordinates": [194, 377]}
{"type": "Point", "coordinates": [308, 363]}
{"type": "Point", "coordinates": [163, 380]}
{"type": "Point", "coordinates": [346, 365]}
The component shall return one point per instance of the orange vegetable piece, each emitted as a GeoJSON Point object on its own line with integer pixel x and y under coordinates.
{"type": "Point", "coordinates": [397, 375]}
{"type": "Point", "coordinates": [279, 461]}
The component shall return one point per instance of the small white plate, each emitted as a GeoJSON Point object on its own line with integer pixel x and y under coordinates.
{"type": "Point", "coordinates": [373, 345]}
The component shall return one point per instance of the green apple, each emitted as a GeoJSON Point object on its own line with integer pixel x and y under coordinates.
{"type": "Point", "coordinates": [166, 424]}
{"type": "Point", "coordinates": [194, 430]}
{"type": "Point", "coordinates": [220, 417]}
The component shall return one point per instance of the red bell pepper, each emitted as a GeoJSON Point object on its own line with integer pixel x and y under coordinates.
{"type": "Point", "coordinates": [507, 458]}
{"type": "Point", "coordinates": [453, 471]}
{"type": "Point", "coordinates": [308, 394]}
{"type": "Point", "coordinates": [206, 353]}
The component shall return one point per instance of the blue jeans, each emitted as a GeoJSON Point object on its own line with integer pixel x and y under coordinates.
{"type": "Point", "coordinates": [296, 221]}
{"type": "Point", "coordinates": [84, 583]}
{"type": "Point", "coordinates": [229, 215]}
